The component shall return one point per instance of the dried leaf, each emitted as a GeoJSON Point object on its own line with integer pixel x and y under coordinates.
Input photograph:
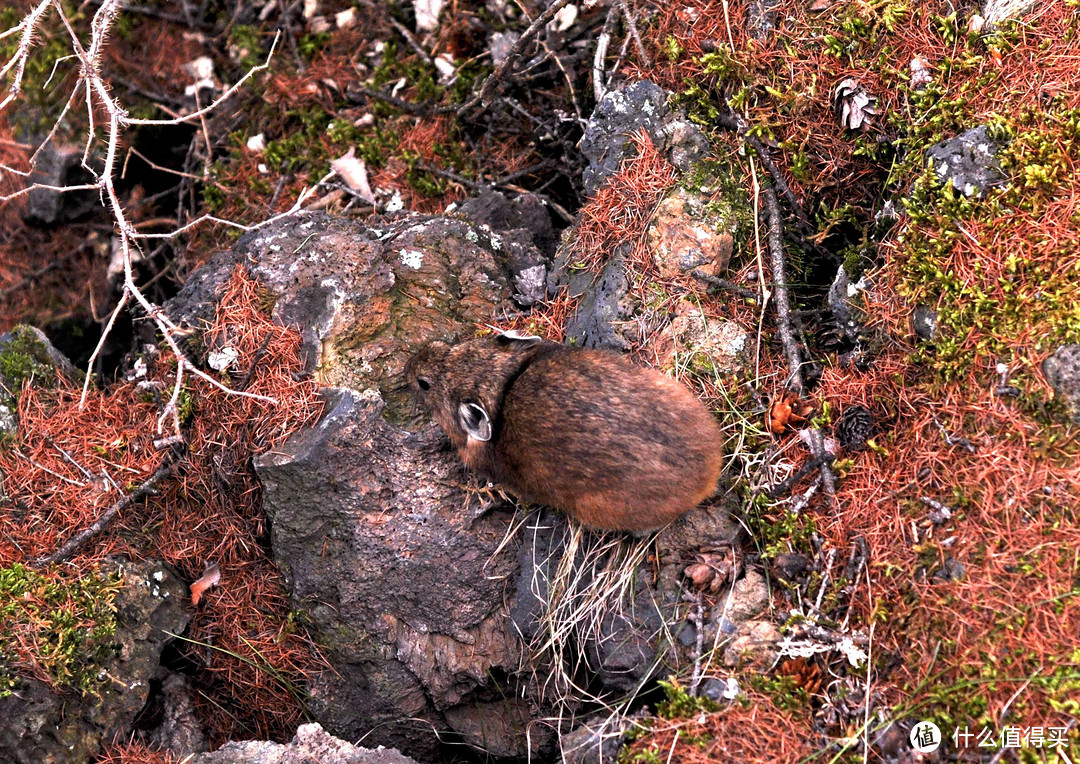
{"type": "Point", "coordinates": [789, 411]}
{"type": "Point", "coordinates": [427, 14]}
{"type": "Point", "coordinates": [219, 360]}
{"type": "Point", "coordinates": [353, 172]}
{"type": "Point", "coordinates": [565, 18]}
{"type": "Point", "coordinates": [346, 18]}
{"type": "Point", "coordinates": [211, 577]}
{"type": "Point", "coordinates": [854, 105]}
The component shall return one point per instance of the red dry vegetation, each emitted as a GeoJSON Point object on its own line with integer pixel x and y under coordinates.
{"type": "Point", "coordinates": [751, 730]}
{"type": "Point", "coordinates": [974, 617]}
{"type": "Point", "coordinates": [133, 752]}
{"type": "Point", "coordinates": [210, 512]}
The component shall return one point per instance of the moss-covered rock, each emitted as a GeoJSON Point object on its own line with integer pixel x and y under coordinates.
{"type": "Point", "coordinates": [27, 357]}
{"type": "Point", "coordinates": [98, 643]}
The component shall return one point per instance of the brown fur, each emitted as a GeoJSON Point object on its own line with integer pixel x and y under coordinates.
{"type": "Point", "coordinates": [616, 446]}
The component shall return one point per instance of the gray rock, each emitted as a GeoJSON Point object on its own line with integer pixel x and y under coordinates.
{"type": "Point", "coordinates": [968, 161]}
{"type": "Point", "coordinates": [498, 728]}
{"type": "Point", "coordinates": [692, 229]}
{"type": "Point", "coordinates": [41, 726]}
{"type": "Point", "coordinates": [604, 305]}
{"type": "Point", "coordinates": [925, 320]}
{"type": "Point", "coordinates": [310, 744]}
{"type": "Point", "coordinates": [701, 344]}
{"type": "Point", "coordinates": [597, 740]}
{"type": "Point", "coordinates": [790, 566]}
{"type": "Point", "coordinates": [846, 305]}
{"type": "Point", "coordinates": [749, 597]}
{"type": "Point", "coordinates": [951, 570]}
{"type": "Point", "coordinates": [1062, 370]}
{"type": "Point", "coordinates": [761, 18]}
{"type": "Point", "coordinates": [619, 115]}
{"type": "Point", "coordinates": [364, 297]}
{"type": "Point", "coordinates": [180, 732]}
{"type": "Point", "coordinates": [526, 213]}
{"type": "Point", "coordinates": [544, 544]}
{"type": "Point", "coordinates": [626, 650]}
{"type": "Point", "coordinates": [755, 643]}
{"type": "Point", "coordinates": [718, 690]}
{"type": "Point", "coordinates": [59, 165]}
{"type": "Point", "coordinates": [525, 227]}
{"type": "Point", "coordinates": [403, 587]}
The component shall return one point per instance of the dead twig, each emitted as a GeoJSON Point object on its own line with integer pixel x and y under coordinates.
{"type": "Point", "coordinates": [734, 121]}
{"type": "Point", "coordinates": [775, 238]}
{"type": "Point", "coordinates": [778, 490]}
{"type": "Point", "coordinates": [787, 335]}
{"type": "Point", "coordinates": [80, 539]}
{"type": "Point", "coordinates": [646, 62]}
{"type": "Point", "coordinates": [413, 109]}
{"type": "Point", "coordinates": [255, 362]}
{"type": "Point", "coordinates": [720, 283]}
{"type": "Point", "coordinates": [404, 32]}
{"type": "Point", "coordinates": [602, 43]}
{"type": "Point", "coordinates": [483, 98]}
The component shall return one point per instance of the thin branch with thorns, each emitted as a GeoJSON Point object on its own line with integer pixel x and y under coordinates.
{"type": "Point", "coordinates": [93, 87]}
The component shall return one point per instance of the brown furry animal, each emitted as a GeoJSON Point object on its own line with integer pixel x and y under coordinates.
{"type": "Point", "coordinates": [616, 446]}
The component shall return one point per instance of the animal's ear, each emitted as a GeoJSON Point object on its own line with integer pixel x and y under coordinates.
{"type": "Point", "coordinates": [474, 421]}
{"type": "Point", "coordinates": [512, 337]}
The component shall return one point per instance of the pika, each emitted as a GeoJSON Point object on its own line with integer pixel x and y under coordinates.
{"type": "Point", "coordinates": [615, 446]}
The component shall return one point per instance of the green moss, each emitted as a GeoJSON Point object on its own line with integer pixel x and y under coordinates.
{"type": "Point", "coordinates": [672, 49]}
{"type": "Point", "coordinates": [246, 44]}
{"type": "Point", "coordinates": [69, 626]}
{"type": "Point", "coordinates": [416, 73]}
{"type": "Point", "coordinates": [1035, 296]}
{"type": "Point", "coordinates": [791, 532]}
{"type": "Point", "coordinates": [310, 44]}
{"type": "Point", "coordinates": [679, 704]}
{"type": "Point", "coordinates": [49, 63]}
{"type": "Point", "coordinates": [185, 407]}
{"type": "Point", "coordinates": [24, 358]}
{"type": "Point", "coordinates": [785, 691]}
{"type": "Point", "coordinates": [419, 179]}
{"type": "Point", "coordinates": [469, 75]}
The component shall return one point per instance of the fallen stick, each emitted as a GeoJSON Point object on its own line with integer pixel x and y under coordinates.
{"type": "Point", "coordinates": [77, 541]}
{"type": "Point", "coordinates": [816, 440]}
{"type": "Point", "coordinates": [493, 79]}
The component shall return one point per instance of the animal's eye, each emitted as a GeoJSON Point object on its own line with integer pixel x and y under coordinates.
{"type": "Point", "coordinates": [423, 383]}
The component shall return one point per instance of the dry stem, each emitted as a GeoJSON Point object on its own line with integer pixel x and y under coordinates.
{"type": "Point", "coordinates": [96, 93]}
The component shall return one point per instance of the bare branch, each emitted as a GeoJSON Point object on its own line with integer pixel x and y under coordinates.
{"type": "Point", "coordinates": [76, 542]}
{"type": "Point", "coordinates": [780, 290]}
{"type": "Point", "coordinates": [493, 79]}
{"type": "Point", "coordinates": [99, 99]}
{"type": "Point", "coordinates": [22, 53]}
{"type": "Point", "coordinates": [217, 102]}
